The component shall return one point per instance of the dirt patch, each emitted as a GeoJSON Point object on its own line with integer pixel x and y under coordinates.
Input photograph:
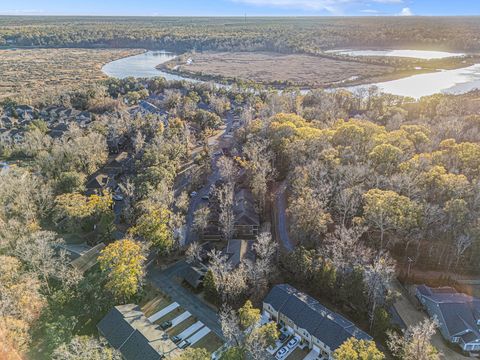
{"type": "Point", "coordinates": [276, 69]}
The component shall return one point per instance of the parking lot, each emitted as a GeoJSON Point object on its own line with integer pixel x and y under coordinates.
{"type": "Point", "coordinates": [184, 329]}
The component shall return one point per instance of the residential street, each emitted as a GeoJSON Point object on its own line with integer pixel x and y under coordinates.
{"type": "Point", "coordinates": [165, 282]}
{"type": "Point", "coordinates": [191, 235]}
{"type": "Point", "coordinates": [280, 215]}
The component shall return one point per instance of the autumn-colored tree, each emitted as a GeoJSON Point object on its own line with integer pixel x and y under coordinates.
{"type": "Point", "coordinates": [122, 262]}
{"type": "Point", "coordinates": [86, 213]}
{"type": "Point", "coordinates": [194, 354]}
{"type": "Point", "coordinates": [154, 227]}
{"type": "Point", "coordinates": [354, 349]}
{"type": "Point", "coordinates": [248, 315]}
{"type": "Point", "coordinates": [387, 211]}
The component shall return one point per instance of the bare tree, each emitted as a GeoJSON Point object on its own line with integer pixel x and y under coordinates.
{"type": "Point", "coordinates": [201, 218]}
{"type": "Point", "coordinates": [193, 253]}
{"type": "Point", "coordinates": [415, 343]}
{"type": "Point", "coordinates": [39, 253]}
{"type": "Point", "coordinates": [227, 218]}
{"type": "Point", "coordinates": [230, 324]}
{"type": "Point", "coordinates": [345, 249]}
{"type": "Point", "coordinates": [231, 283]}
{"type": "Point", "coordinates": [228, 169]}
{"type": "Point", "coordinates": [462, 243]}
{"type": "Point", "coordinates": [378, 276]}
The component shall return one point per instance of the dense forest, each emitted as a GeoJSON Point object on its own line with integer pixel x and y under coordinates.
{"type": "Point", "coordinates": [371, 179]}
{"type": "Point", "coordinates": [286, 35]}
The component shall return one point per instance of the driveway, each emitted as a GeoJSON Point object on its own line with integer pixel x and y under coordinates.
{"type": "Point", "coordinates": [411, 316]}
{"type": "Point", "coordinates": [166, 283]}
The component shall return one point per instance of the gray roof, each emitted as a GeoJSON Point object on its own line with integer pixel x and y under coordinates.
{"type": "Point", "coordinates": [114, 327]}
{"type": "Point", "coordinates": [193, 275]}
{"type": "Point", "coordinates": [457, 312]}
{"type": "Point", "coordinates": [244, 209]}
{"type": "Point", "coordinates": [137, 347]}
{"type": "Point", "coordinates": [128, 330]}
{"type": "Point", "coordinates": [307, 313]}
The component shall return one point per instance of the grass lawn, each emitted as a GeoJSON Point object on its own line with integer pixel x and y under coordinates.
{"type": "Point", "coordinates": [185, 324]}
{"type": "Point", "coordinates": [153, 301]}
{"type": "Point", "coordinates": [298, 354]}
{"type": "Point", "coordinates": [210, 342]}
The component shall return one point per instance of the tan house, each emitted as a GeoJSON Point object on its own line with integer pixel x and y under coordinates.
{"type": "Point", "coordinates": [321, 329]}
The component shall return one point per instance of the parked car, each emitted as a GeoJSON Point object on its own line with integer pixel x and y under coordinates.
{"type": "Point", "coordinates": [184, 344]}
{"type": "Point", "coordinates": [293, 342]}
{"type": "Point", "coordinates": [283, 337]}
{"type": "Point", "coordinates": [176, 339]}
{"type": "Point", "coordinates": [193, 194]}
{"type": "Point", "coordinates": [165, 325]}
{"type": "Point", "coordinates": [281, 353]}
{"type": "Point", "coordinates": [117, 197]}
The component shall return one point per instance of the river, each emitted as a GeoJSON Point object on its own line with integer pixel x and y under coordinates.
{"type": "Point", "coordinates": [456, 81]}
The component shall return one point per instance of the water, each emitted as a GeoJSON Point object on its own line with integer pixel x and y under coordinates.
{"type": "Point", "coordinates": [457, 81]}
{"type": "Point", "coordinates": [141, 66]}
{"type": "Point", "coordinates": [415, 54]}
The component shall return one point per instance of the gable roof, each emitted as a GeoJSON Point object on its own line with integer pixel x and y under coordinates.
{"type": "Point", "coordinates": [114, 327]}
{"type": "Point", "coordinates": [458, 313]}
{"type": "Point", "coordinates": [128, 330]}
{"type": "Point", "coordinates": [244, 209]}
{"type": "Point", "coordinates": [194, 275]}
{"type": "Point", "coordinates": [307, 313]}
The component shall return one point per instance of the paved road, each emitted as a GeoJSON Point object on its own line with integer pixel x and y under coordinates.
{"type": "Point", "coordinates": [280, 209]}
{"type": "Point", "coordinates": [411, 316]}
{"type": "Point", "coordinates": [165, 282]}
{"type": "Point", "coordinates": [190, 234]}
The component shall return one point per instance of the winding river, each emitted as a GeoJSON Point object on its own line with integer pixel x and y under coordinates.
{"type": "Point", "coordinates": [456, 81]}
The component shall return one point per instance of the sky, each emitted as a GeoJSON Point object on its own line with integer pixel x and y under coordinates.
{"type": "Point", "coordinates": [241, 7]}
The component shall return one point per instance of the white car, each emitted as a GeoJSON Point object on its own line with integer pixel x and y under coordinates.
{"type": "Point", "coordinates": [281, 353]}
{"type": "Point", "coordinates": [293, 342]}
{"type": "Point", "coordinates": [193, 194]}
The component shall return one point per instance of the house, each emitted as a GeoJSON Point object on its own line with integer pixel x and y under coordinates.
{"type": "Point", "coordinates": [119, 164]}
{"type": "Point", "coordinates": [239, 250]}
{"type": "Point", "coordinates": [319, 328]}
{"type": "Point", "coordinates": [82, 256]}
{"type": "Point", "coordinates": [247, 221]}
{"type": "Point", "coordinates": [58, 130]}
{"type": "Point", "coordinates": [99, 183]}
{"type": "Point", "coordinates": [128, 330]}
{"type": "Point", "coordinates": [458, 315]}
{"type": "Point", "coordinates": [194, 274]}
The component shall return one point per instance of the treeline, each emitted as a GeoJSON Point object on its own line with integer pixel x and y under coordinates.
{"type": "Point", "coordinates": [404, 174]}
{"type": "Point", "coordinates": [286, 35]}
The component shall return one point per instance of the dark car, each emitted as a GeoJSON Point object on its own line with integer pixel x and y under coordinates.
{"type": "Point", "coordinates": [205, 197]}
{"type": "Point", "coordinates": [282, 337]}
{"type": "Point", "coordinates": [165, 325]}
{"type": "Point", "coordinates": [176, 339]}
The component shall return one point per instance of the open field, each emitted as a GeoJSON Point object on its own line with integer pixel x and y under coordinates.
{"type": "Point", "coordinates": [276, 69]}
{"type": "Point", "coordinates": [37, 72]}
{"type": "Point", "coordinates": [307, 71]}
